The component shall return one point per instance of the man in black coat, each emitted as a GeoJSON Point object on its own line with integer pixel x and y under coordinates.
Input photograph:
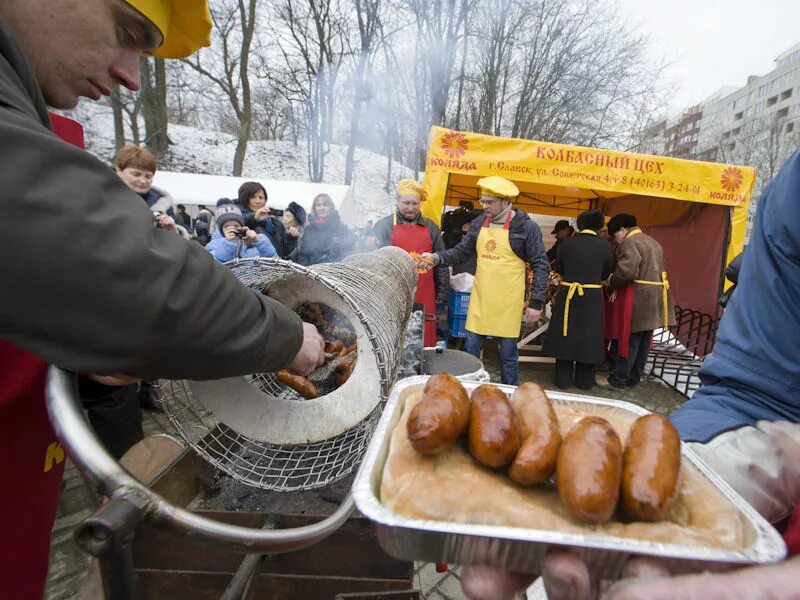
{"type": "Point", "coordinates": [575, 335]}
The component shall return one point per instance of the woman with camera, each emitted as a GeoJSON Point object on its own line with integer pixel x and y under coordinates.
{"type": "Point", "coordinates": [233, 239]}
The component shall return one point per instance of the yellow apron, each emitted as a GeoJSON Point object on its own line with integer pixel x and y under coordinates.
{"type": "Point", "coordinates": [574, 286]}
{"type": "Point", "coordinates": [664, 283]}
{"type": "Point", "coordinates": [498, 293]}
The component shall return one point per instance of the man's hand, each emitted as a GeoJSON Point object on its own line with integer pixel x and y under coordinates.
{"type": "Point", "coordinates": [116, 380]}
{"type": "Point", "coordinates": [532, 315]}
{"type": "Point", "coordinates": [428, 261]}
{"type": "Point", "coordinates": [262, 214]}
{"type": "Point", "coordinates": [250, 237]}
{"type": "Point", "coordinates": [312, 352]}
{"type": "Point", "coordinates": [293, 231]}
{"type": "Point", "coordinates": [166, 222]}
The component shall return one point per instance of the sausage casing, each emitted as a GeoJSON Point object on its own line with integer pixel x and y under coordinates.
{"type": "Point", "coordinates": [440, 417]}
{"type": "Point", "coordinates": [432, 426]}
{"type": "Point", "coordinates": [444, 382]}
{"type": "Point", "coordinates": [651, 468]}
{"type": "Point", "coordinates": [493, 436]}
{"type": "Point", "coordinates": [589, 470]}
{"type": "Point", "coordinates": [302, 385]}
{"type": "Point", "coordinates": [536, 459]}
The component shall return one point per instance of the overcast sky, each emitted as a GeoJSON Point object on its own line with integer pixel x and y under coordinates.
{"type": "Point", "coordinates": [711, 43]}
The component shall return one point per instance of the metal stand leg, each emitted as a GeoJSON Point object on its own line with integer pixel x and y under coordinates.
{"type": "Point", "coordinates": [108, 535]}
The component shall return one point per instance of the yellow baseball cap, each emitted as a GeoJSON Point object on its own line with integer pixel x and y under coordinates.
{"type": "Point", "coordinates": [185, 25]}
{"type": "Point", "coordinates": [411, 188]}
{"type": "Point", "coordinates": [497, 186]}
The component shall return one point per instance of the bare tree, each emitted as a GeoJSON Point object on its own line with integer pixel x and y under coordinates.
{"type": "Point", "coordinates": [234, 24]}
{"type": "Point", "coordinates": [439, 25]}
{"type": "Point", "coordinates": [154, 105]}
{"type": "Point", "coordinates": [313, 41]}
{"type": "Point", "coordinates": [369, 23]}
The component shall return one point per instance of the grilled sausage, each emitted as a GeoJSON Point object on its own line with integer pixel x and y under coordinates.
{"type": "Point", "coordinates": [333, 346]}
{"type": "Point", "coordinates": [444, 382]}
{"type": "Point", "coordinates": [343, 371]}
{"type": "Point", "coordinates": [650, 468]}
{"type": "Point", "coordinates": [440, 417]}
{"type": "Point", "coordinates": [493, 436]}
{"type": "Point", "coordinates": [589, 470]}
{"type": "Point", "coordinates": [538, 428]}
{"type": "Point", "coordinates": [298, 383]}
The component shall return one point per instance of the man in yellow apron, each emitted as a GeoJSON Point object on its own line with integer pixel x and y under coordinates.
{"type": "Point", "coordinates": [505, 240]}
{"type": "Point", "coordinates": [639, 262]}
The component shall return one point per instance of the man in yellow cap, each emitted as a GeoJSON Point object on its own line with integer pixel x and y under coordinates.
{"type": "Point", "coordinates": [406, 228]}
{"type": "Point", "coordinates": [80, 250]}
{"type": "Point", "coordinates": [505, 240]}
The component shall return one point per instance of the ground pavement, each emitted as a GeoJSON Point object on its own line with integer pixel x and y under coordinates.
{"type": "Point", "coordinates": [68, 564]}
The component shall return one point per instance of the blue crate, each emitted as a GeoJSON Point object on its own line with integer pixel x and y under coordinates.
{"type": "Point", "coordinates": [457, 325]}
{"type": "Point", "coordinates": [458, 303]}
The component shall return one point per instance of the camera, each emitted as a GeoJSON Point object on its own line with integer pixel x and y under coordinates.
{"type": "Point", "coordinates": [241, 232]}
{"type": "Point", "coordinates": [157, 215]}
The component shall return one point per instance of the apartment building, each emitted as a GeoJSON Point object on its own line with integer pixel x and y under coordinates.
{"type": "Point", "coordinates": [757, 124]}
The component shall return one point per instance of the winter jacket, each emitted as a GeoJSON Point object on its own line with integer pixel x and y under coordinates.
{"type": "Point", "coordinates": [158, 200]}
{"type": "Point", "coordinates": [330, 241]}
{"type": "Point", "coordinates": [584, 258]}
{"type": "Point", "coordinates": [202, 227]}
{"type": "Point", "coordinates": [272, 227]}
{"type": "Point", "coordinates": [525, 238]}
{"type": "Point", "coordinates": [753, 372]}
{"type": "Point", "coordinates": [122, 296]}
{"type": "Point", "coordinates": [292, 243]}
{"type": "Point", "coordinates": [641, 257]}
{"type": "Point", "coordinates": [224, 250]}
{"type": "Point", "coordinates": [383, 231]}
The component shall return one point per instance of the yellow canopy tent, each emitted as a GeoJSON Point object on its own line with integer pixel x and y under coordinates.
{"type": "Point", "coordinates": [697, 210]}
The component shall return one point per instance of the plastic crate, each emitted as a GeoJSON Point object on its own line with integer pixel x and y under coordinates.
{"type": "Point", "coordinates": [458, 303]}
{"type": "Point", "coordinates": [457, 325]}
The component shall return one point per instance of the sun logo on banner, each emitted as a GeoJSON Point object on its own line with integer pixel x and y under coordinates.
{"type": "Point", "coordinates": [491, 246]}
{"type": "Point", "coordinates": [731, 179]}
{"type": "Point", "coordinates": [454, 144]}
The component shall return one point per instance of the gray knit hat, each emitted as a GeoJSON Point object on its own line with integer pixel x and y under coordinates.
{"type": "Point", "coordinates": [227, 211]}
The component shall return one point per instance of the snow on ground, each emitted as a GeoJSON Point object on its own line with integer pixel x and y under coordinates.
{"type": "Point", "coordinates": [211, 153]}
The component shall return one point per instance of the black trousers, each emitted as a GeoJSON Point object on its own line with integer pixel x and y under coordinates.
{"type": "Point", "coordinates": [569, 372]}
{"type": "Point", "coordinates": [629, 371]}
{"type": "Point", "coordinates": [114, 414]}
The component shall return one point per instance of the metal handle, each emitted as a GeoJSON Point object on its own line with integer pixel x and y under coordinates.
{"type": "Point", "coordinates": [109, 478]}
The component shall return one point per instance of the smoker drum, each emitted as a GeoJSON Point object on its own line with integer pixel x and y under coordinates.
{"type": "Point", "coordinates": [263, 433]}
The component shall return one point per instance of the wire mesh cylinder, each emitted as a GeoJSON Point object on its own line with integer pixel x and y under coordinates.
{"type": "Point", "coordinates": [308, 443]}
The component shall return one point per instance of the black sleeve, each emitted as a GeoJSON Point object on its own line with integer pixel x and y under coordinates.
{"type": "Point", "coordinates": [100, 290]}
{"type": "Point", "coordinates": [441, 273]}
{"type": "Point", "coordinates": [464, 249]}
{"type": "Point", "coordinates": [534, 249]}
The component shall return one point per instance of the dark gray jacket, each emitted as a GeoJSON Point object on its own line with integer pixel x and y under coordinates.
{"type": "Point", "coordinates": [525, 238]}
{"type": "Point", "coordinates": [90, 285]}
{"type": "Point", "coordinates": [383, 231]}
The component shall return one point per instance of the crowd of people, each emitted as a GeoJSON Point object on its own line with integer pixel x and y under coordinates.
{"type": "Point", "coordinates": [245, 227]}
{"type": "Point", "coordinates": [85, 308]}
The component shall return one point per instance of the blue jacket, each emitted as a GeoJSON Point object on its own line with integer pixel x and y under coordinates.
{"type": "Point", "coordinates": [754, 371]}
{"type": "Point", "coordinates": [224, 250]}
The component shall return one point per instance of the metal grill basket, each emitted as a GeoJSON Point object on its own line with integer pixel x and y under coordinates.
{"type": "Point", "coordinates": [310, 443]}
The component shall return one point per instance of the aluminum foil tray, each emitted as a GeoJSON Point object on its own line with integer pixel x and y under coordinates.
{"type": "Point", "coordinates": [522, 550]}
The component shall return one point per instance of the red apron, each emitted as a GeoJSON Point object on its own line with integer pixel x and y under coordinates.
{"type": "Point", "coordinates": [618, 314]}
{"type": "Point", "coordinates": [412, 237]}
{"type": "Point", "coordinates": [32, 467]}
{"type": "Point", "coordinates": [792, 533]}
{"type": "Point", "coordinates": [31, 459]}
